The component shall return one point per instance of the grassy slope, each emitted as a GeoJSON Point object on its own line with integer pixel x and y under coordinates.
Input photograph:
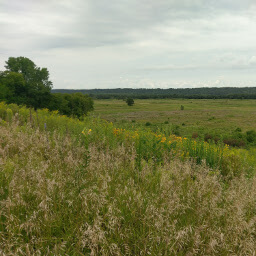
{"type": "Point", "coordinates": [58, 198]}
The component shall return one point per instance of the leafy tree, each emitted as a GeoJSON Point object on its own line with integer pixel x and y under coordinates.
{"type": "Point", "coordinates": [38, 85]}
{"type": "Point", "coordinates": [79, 104]}
{"type": "Point", "coordinates": [25, 83]}
{"type": "Point", "coordinates": [76, 104]}
{"type": "Point", "coordinates": [12, 87]}
{"type": "Point", "coordinates": [130, 102]}
{"type": "Point", "coordinates": [60, 103]}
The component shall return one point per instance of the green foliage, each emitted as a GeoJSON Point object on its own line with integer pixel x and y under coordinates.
{"type": "Point", "coordinates": [13, 88]}
{"type": "Point", "coordinates": [251, 136]}
{"type": "Point", "coordinates": [130, 102]}
{"type": "Point", "coordinates": [36, 92]}
{"type": "Point", "coordinates": [26, 84]}
{"type": "Point", "coordinates": [76, 104]}
{"type": "Point", "coordinates": [90, 188]}
{"type": "Point", "coordinates": [170, 93]}
{"type": "Point", "coordinates": [176, 129]}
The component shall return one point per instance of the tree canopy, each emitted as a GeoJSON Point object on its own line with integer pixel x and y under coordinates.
{"type": "Point", "coordinates": [170, 93]}
{"type": "Point", "coordinates": [37, 87]}
{"type": "Point", "coordinates": [24, 83]}
{"type": "Point", "coordinates": [130, 101]}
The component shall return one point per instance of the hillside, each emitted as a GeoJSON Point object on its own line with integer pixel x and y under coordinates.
{"type": "Point", "coordinates": [71, 187]}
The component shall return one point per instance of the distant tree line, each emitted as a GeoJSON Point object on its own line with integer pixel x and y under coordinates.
{"type": "Point", "coordinates": [171, 93]}
{"type": "Point", "coordinates": [24, 83]}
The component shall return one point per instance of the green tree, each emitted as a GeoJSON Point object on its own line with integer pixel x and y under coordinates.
{"type": "Point", "coordinates": [75, 104]}
{"type": "Point", "coordinates": [80, 104]}
{"type": "Point", "coordinates": [130, 102]}
{"type": "Point", "coordinates": [12, 87]}
{"type": "Point", "coordinates": [36, 79]}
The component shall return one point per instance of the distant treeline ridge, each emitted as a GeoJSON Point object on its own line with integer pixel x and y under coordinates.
{"type": "Point", "coordinates": [171, 93]}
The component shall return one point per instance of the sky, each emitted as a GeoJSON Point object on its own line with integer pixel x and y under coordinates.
{"type": "Point", "coordinates": [88, 44]}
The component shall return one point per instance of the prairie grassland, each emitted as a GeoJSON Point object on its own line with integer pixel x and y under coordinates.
{"type": "Point", "coordinates": [70, 187]}
{"type": "Point", "coordinates": [201, 116]}
{"type": "Point", "coordinates": [59, 198]}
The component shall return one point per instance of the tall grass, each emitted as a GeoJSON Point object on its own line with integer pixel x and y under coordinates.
{"type": "Point", "coordinates": [72, 187]}
{"type": "Point", "coordinates": [59, 197]}
{"type": "Point", "coordinates": [150, 146]}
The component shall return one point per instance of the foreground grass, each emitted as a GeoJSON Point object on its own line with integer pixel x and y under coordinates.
{"type": "Point", "coordinates": [60, 197]}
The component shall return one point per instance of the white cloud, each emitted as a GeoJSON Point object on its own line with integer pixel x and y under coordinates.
{"type": "Point", "coordinates": [252, 60]}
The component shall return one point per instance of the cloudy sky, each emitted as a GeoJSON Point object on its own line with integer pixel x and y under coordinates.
{"type": "Point", "coordinates": [134, 43]}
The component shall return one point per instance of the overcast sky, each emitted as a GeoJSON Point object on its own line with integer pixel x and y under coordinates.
{"type": "Point", "coordinates": [133, 43]}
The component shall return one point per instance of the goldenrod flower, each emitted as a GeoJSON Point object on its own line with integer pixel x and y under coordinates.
{"type": "Point", "coordinates": [163, 139]}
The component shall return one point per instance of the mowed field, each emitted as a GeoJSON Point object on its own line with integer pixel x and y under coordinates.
{"type": "Point", "coordinates": [201, 116]}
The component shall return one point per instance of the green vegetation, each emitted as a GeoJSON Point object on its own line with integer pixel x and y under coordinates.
{"type": "Point", "coordinates": [24, 83]}
{"type": "Point", "coordinates": [86, 187]}
{"type": "Point", "coordinates": [165, 177]}
{"type": "Point", "coordinates": [76, 104]}
{"type": "Point", "coordinates": [171, 93]}
{"type": "Point", "coordinates": [229, 121]}
{"type": "Point", "coordinates": [130, 101]}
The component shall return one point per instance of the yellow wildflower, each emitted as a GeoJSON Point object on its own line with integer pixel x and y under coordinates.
{"type": "Point", "coordinates": [163, 139]}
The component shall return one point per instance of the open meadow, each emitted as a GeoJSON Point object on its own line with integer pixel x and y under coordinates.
{"type": "Point", "coordinates": [92, 187]}
{"type": "Point", "coordinates": [129, 129]}
{"type": "Point", "coordinates": [218, 117]}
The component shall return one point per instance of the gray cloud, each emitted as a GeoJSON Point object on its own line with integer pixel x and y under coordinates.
{"type": "Point", "coordinates": [92, 43]}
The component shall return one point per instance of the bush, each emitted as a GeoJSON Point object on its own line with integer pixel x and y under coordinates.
{"type": "Point", "coordinates": [234, 142]}
{"type": "Point", "coordinates": [216, 139]}
{"type": "Point", "coordinates": [251, 136]}
{"type": "Point", "coordinates": [208, 137]}
{"type": "Point", "coordinates": [130, 102]}
{"type": "Point", "coordinates": [176, 130]}
{"type": "Point", "coordinates": [194, 135]}
{"type": "Point", "coordinates": [75, 104]}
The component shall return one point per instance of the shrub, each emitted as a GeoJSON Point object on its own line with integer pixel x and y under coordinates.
{"type": "Point", "coordinates": [130, 102]}
{"type": "Point", "coordinates": [216, 139]}
{"type": "Point", "coordinates": [251, 136]}
{"type": "Point", "coordinates": [194, 135]}
{"type": "Point", "coordinates": [208, 137]}
{"type": "Point", "coordinates": [234, 142]}
{"type": "Point", "coordinates": [176, 130]}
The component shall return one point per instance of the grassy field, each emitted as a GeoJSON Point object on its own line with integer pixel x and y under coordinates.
{"type": "Point", "coordinates": [201, 116]}
{"type": "Point", "coordinates": [88, 187]}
